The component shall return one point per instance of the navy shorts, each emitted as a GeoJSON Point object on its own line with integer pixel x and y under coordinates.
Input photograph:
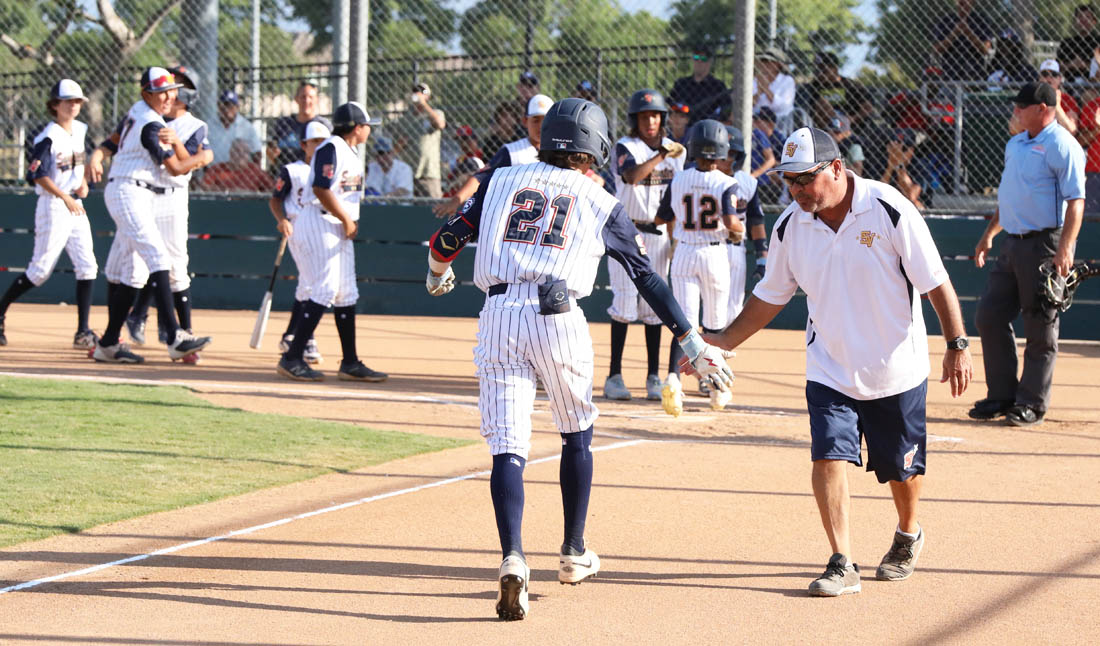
{"type": "Point", "coordinates": [893, 428]}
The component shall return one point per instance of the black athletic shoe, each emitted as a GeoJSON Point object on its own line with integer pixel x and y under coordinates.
{"type": "Point", "coordinates": [186, 343]}
{"type": "Point", "coordinates": [298, 370]}
{"type": "Point", "coordinates": [358, 372]}
{"type": "Point", "coordinates": [1024, 415]}
{"type": "Point", "coordinates": [987, 409]}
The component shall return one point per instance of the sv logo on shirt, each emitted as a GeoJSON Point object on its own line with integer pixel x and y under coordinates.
{"type": "Point", "coordinates": [867, 238]}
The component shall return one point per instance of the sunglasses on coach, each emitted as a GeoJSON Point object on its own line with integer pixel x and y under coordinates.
{"type": "Point", "coordinates": [802, 179]}
{"type": "Point", "coordinates": [700, 57]}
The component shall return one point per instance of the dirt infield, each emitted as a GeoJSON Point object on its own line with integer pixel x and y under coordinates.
{"type": "Point", "coordinates": [706, 524]}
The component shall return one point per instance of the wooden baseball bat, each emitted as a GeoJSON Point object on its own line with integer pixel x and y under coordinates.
{"type": "Point", "coordinates": [265, 306]}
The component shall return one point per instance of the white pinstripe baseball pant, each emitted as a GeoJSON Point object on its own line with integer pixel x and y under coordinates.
{"type": "Point", "coordinates": [56, 229]}
{"type": "Point", "coordinates": [701, 270]}
{"type": "Point", "coordinates": [171, 214]}
{"type": "Point", "coordinates": [626, 305]}
{"type": "Point", "coordinates": [138, 248]}
{"type": "Point", "coordinates": [326, 261]}
{"type": "Point", "coordinates": [737, 282]}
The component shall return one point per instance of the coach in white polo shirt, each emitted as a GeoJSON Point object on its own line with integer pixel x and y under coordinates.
{"type": "Point", "coordinates": [863, 255]}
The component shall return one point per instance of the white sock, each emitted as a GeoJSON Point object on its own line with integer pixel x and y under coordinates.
{"type": "Point", "coordinates": [911, 537]}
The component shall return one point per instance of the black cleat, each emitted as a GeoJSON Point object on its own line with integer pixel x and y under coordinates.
{"type": "Point", "coordinates": [358, 372]}
{"type": "Point", "coordinates": [987, 409]}
{"type": "Point", "coordinates": [298, 370]}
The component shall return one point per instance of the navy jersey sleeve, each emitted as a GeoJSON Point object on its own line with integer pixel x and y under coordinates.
{"type": "Point", "coordinates": [624, 159]}
{"type": "Point", "coordinates": [501, 159]}
{"type": "Point", "coordinates": [664, 209]}
{"type": "Point", "coordinates": [195, 142]}
{"type": "Point", "coordinates": [111, 143]}
{"type": "Point", "coordinates": [324, 165]}
{"type": "Point", "coordinates": [729, 201]}
{"type": "Point", "coordinates": [41, 162]}
{"type": "Point", "coordinates": [755, 214]}
{"type": "Point", "coordinates": [460, 229]}
{"type": "Point", "coordinates": [282, 185]}
{"type": "Point", "coordinates": [150, 142]}
{"type": "Point", "coordinates": [623, 243]}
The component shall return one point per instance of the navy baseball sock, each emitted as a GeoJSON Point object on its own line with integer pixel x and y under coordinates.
{"type": "Point", "coordinates": [653, 348]}
{"type": "Point", "coordinates": [20, 286]}
{"type": "Point", "coordinates": [182, 301]}
{"type": "Point", "coordinates": [345, 325]}
{"type": "Point", "coordinates": [141, 305]}
{"type": "Point", "coordinates": [295, 317]}
{"type": "Point", "coordinates": [162, 293]}
{"type": "Point", "coordinates": [83, 303]}
{"type": "Point", "coordinates": [674, 354]}
{"type": "Point", "coordinates": [575, 476]}
{"type": "Point", "coordinates": [311, 316]}
{"type": "Point", "coordinates": [122, 297]}
{"type": "Point", "coordinates": [506, 486]}
{"type": "Point", "coordinates": [618, 342]}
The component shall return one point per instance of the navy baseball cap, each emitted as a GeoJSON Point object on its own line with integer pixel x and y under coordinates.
{"type": "Point", "coordinates": [528, 78]}
{"type": "Point", "coordinates": [1035, 93]}
{"type": "Point", "coordinates": [229, 96]}
{"type": "Point", "coordinates": [806, 149]}
{"type": "Point", "coordinates": [383, 145]}
{"type": "Point", "coordinates": [352, 114]}
{"type": "Point", "coordinates": [158, 79]}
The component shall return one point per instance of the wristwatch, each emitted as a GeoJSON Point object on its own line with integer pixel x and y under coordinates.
{"type": "Point", "coordinates": [958, 343]}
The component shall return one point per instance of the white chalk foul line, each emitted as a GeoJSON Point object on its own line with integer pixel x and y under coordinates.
{"type": "Point", "coordinates": [284, 521]}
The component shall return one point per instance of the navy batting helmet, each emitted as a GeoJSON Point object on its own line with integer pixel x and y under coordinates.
{"type": "Point", "coordinates": [709, 140]}
{"type": "Point", "coordinates": [577, 126]}
{"type": "Point", "coordinates": [189, 93]}
{"type": "Point", "coordinates": [737, 146]}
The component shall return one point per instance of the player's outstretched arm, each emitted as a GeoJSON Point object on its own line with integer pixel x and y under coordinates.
{"type": "Point", "coordinates": [449, 240]}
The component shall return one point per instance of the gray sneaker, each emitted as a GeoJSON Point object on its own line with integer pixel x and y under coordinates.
{"type": "Point", "coordinates": [614, 388]}
{"type": "Point", "coordinates": [901, 560]}
{"type": "Point", "coordinates": [840, 577]}
{"type": "Point", "coordinates": [653, 387]}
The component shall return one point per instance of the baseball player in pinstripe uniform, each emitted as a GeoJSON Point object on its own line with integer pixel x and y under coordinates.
{"type": "Point", "coordinates": [325, 231]}
{"type": "Point", "coordinates": [56, 170]}
{"type": "Point", "coordinates": [753, 219]}
{"type": "Point", "coordinates": [513, 153]}
{"type": "Point", "coordinates": [141, 147]}
{"type": "Point", "coordinates": [645, 162]}
{"type": "Point", "coordinates": [542, 229]}
{"type": "Point", "coordinates": [702, 205]}
{"type": "Point", "coordinates": [293, 195]}
{"type": "Point", "coordinates": [172, 212]}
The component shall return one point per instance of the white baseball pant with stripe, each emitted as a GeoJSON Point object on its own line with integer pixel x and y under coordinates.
{"type": "Point", "coordinates": [514, 344]}
{"type": "Point", "coordinates": [701, 271]}
{"type": "Point", "coordinates": [737, 282]}
{"type": "Point", "coordinates": [305, 268]}
{"type": "Point", "coordinates": [626, 305]}
{"type": "Point", "coordinates": [138, 248]}
{"type": "Point", "coordinates": [326, 261]}
{"type": "Point", "coordinates": [171, 215]}
{"type": "Point", "coordinates": [56, 229]}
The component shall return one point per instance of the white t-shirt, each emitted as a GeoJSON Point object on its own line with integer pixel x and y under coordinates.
{"type": "Point", "coordinates": [782, 101]}
{"type": "Point", "coordinates": [221, 138]}
{"type": "Point", "coordinates": [383, 182]}
{"type": "Point", "coordinates": [865, 336]}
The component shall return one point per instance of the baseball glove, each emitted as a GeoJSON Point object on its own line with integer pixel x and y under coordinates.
{"type": "Point", "coordinates": [1058, 290]}
{"type": "Point", "coordinates": [673, 149]}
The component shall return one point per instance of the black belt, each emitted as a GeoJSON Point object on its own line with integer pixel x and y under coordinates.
{"type": "Point", "coordinates": [1032, 234]}
{"type": "Point", "coordinates": [647, 227]}
{"type": "Point", "coordinates": [736, 244]}
{"type": "Point", "coordinates": [159, 190]}
{"type": "Point", "coordinates": [498, 289]}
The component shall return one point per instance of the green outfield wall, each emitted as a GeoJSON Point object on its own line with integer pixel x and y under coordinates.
{"type": "Point", "coordinates": [232, 265]}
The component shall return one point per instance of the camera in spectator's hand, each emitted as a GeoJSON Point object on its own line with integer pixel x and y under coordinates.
{"type": "Point", "coordinates": [420, 90]}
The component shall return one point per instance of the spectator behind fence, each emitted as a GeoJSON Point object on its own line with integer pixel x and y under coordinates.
{"type": "Point", "coordinates": [1010, 63]}
{"type": "Point", "coordinates": [1076, 52]}
{"type": "Point", "coordinates": [851, 148]}
{"type": "Point", "coordinates": [284, 141]}
{"type": "Point", "coordinates": [526, 87]}
{"type": "Point", "coordinates": [231, 126]}
{"type": "Point", "coordinates": [899, 157]}
{"type": "Point", "coordinates": [767, 146]}
{"type": "Point", "coordinates": [829, 93]}
{"type": "Point", "coordinates": [1088, 133]}
{"type": "Point", "coordinates": [771, 87]}
{"type": "Point", "coordinates": [506, 118]}
{"type": "Point", "coordinates": [387, 175]}
{"type": "Point", "coordinates": [240, 173]}
{"type": "Point", "coordinates": [466, 164]}
{"type": "Point", "coordinates": [679, 117]}
{"type": "Point", "coordinates": [1066, 113]}
{"type": "Point", "coordinates": [701, 92]}
{"type": "Point", "coordinates": [421, 133]}
{"type": "Point", "coordinates": [962, 39]}
{"type": "Point", "coordinates": [587, 91]}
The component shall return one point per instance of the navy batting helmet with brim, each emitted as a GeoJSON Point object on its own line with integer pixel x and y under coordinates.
{"type": "Point", "coordinates": [708, 140]}
{"type": "Point", "coordinates": [577, 126]}
{"type": "Point", "coordinates": [646, 101]}
{"type": "Point", "coordinates": [189, 93]}
{"type": "Point", "coordinates": [737, 145]}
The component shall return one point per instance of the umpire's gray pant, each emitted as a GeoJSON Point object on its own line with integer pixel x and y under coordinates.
{"type": "Point", "coordinates": [1013, 289]}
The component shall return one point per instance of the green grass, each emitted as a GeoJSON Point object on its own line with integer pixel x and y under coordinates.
{"type": "Point", "coordinates": [76, 454]}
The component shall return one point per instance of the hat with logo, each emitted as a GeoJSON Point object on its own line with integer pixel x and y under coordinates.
{"type": "Point", "coordinates": [539, 105]}
{"type": "Point", "coordinates": [352, 114]}
{"type": "Point", "coordinates": [1035, 93]}
{"type": "Point", "coordinates": [806, 149]}
{"type": "Point", "coordinates": [316, 130]}
{"type": "Point", "coordinates": [66, 89]}
{"type": "Point", "coordinates": [1050, 65]}
{"type": "Point", "coordinates": [158, 79]}
{"type": "Point", "coordinates": [229, 96]}
{"type": "Point", "coordinates": [528, 78]}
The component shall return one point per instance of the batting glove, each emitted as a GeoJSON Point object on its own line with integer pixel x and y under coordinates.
{"type": "Point", "coordinates": [759, 273]}
{"type": "Point", "coordinates": [707, 360]}
{"type": "Point", "coordinates": [440, 285]}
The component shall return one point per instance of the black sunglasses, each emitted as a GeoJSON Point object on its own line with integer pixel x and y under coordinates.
{"type": "Point", "coordinates": [802, 179]}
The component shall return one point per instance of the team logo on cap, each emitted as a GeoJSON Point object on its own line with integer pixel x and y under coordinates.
{"type": "Point", "coordinates": [162, 80]}
{"type": "Point", "coordinates": [791, 147]}
{"type": "Point", "coordinates": [648, 98]}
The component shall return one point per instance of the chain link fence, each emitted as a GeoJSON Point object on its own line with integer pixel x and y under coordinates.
{"type": "Point", "coordinates": [924, 87]}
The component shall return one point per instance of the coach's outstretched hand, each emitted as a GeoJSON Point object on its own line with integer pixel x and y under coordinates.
{"type": "Point", "coordinates": [440, 285]}
{"type": "Point", "coordinates": [706, 360]}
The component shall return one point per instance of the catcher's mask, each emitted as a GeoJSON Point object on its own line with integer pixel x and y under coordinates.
{"type": "Point", "coordinates": [1056, 289]}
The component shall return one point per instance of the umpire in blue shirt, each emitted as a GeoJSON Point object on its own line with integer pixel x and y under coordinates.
{"type": "Point", "coordinates": [1040, 204]}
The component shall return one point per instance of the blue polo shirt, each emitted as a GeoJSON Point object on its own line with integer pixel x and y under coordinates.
{"type": "Point", "coordinates": [1040, 175]}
